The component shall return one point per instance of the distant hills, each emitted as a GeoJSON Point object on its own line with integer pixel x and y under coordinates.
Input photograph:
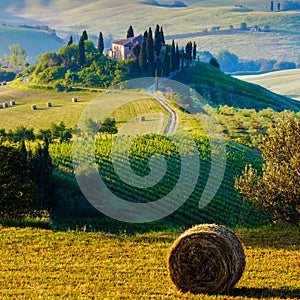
{"type": "Point", "coordinates": [114, 17]}
{"type": "Point", "coordinates": [34, 41]}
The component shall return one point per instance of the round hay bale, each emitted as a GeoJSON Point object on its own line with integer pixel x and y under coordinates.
{"type": "Point", "coordinates": [206, 258]}
{"type": "Point", "coordinates": [5, 104]}
{"type": "Point", "coordinates": [74, 100]}
{"type": "Point", "coordinates": [143, 118]}
{"type": "Point", "coordinates": [1, 106]}
{"type": "Point", "coordinates": [33, 107]}
{"type": "Point", "coordinates": [12, 102]}
{"type": "Point", "coordinates": [48, 104]}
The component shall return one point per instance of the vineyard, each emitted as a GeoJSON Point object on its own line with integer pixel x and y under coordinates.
{"type": "Point", "coordinates": [135, 162]}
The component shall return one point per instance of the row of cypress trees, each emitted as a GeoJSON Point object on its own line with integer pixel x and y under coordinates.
{"type": "Point", "coordinates": [151, 59]}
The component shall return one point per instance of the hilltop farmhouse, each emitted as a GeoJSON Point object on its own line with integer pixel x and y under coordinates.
{"type": "Point", "coordinates": [122, 49]}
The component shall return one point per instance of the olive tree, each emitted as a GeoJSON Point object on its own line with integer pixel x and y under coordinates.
{"type": "Point", "coordinates": [276, 186]}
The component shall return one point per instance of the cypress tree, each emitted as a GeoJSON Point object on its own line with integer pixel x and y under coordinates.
{"type": "Point", "coordinates": [188, 50]}
{"type": "Point", "coordinates": [130, 32]}
{"type": "Point", "coordinates": [150, 49]}
{"type": "Point", "coordinates": [143, 54]}
{"type": "Point", "coordinates": [70, 41]}
{"type": "Point", "coordinates": [162, 37]}
{"type": "Point", "coordinates": [272, 5]}
{"type": "Point", "coordinates": [157, 41]}
{"type": "Point", "coordinates": [173, 57]}
{"type": "Point", "coordinates": [182, 58]}
{"type": "Point", "coordinates": [177, 58]}
{"type": "Point", "coordinates": [166, 62]}
{"type": "Point", "coordinates": [85, 35]}
{"type": "Point", "coordinates": [194, 51]}
{"type": "Point", "coordinates": [81, 52]}
{"type": "Point", "coordinates": [100, 43]}
{"type": "Point", "coordinates": [136, 49]}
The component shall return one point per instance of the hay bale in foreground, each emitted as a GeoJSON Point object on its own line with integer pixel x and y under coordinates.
{"type": "Point", "coordinates": [207, 258]}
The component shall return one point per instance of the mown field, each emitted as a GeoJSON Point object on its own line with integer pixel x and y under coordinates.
{"type": "Point", "coordinates": [64, 110]}
{"type": "Point", "coordinates": [112, 18]}
{"type": "Point", "coordinates": [282, 82]}
{"type": "Point", "coordinates": [42, 264]}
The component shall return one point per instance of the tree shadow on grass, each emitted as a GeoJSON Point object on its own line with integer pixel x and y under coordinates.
{"type": "Point", "coordinates": [283, 293]}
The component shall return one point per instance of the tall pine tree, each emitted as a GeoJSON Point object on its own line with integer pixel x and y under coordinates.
{"type": "Point", "coordinates": [81, 52]}
{"type": "Point", "coordinates": [166, 62]}
{"type": "Point", "coordinates": [188, 50]}
{"type": "Point", "coordinates": [143, 54]}
{"type": "Point", "coordinates": [194, 51]}
{"type": "Point", "coordinates": [177, 58]}
{"type": "Point", "coordinates": [85, 35]}
{"type": "Point", "coordinates": [136, 49]}
{"type": "Point", "coordinates": [173, 57]}
{"type": "Point", "coordinates": [100, 43]}
{"type": "Point", "coordinates": [162, 36]}
{"type": "Point", "coordinates": [70, 41]}
{"type": "Point", "coordinates": [130, 32]}
{"type": "Point", "coordinates": [150, 50]}
{"type": "Point", "coordinates": [157, 41]}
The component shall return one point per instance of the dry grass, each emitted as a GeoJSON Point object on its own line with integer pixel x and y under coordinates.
{"type": "Point", "coordinates": [41, 264]}
{"type": "Point", "coordinates": [114, 17]}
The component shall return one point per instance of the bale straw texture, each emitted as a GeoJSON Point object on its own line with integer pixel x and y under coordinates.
{"type": "Point", "coordinates": [207, 258]}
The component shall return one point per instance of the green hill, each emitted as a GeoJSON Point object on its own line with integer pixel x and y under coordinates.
{"type": "Point", "coordinates": [221, 89]}
{"type": "Point", "coordinates": [33, 41]}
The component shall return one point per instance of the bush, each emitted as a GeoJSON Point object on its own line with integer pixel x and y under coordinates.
{"type": "Point", "coordinates": [17, 191]}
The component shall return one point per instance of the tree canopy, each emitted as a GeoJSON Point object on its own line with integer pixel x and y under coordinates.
{"type": "Point", "coordinates": [277, 186]}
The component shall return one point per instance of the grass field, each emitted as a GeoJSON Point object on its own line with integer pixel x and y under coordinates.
{"type": "Point", "coordinates": [281, 82]}
{"type": "Point", "coordinates": [64, 110]}
{"type": "Point", "coordinates": [42, 264]}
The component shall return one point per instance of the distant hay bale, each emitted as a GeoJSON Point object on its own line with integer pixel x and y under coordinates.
{"type": "Point", "coordinates": [5, 104]}
{"type": "Point", "coordinates": [74, 100]}
{"type": "Point", "coordinates": [207, 258]}
{"type": "Point", "coordinates": [12, 102]}
{"type": "Point", "coordinates": [33, 107]}
{"type": "Point", "coordinates": [48, 104]}
{"type": "Point", "coordinates": [1, 106]}
{"type": "Point", "coordinates": [143, 118]}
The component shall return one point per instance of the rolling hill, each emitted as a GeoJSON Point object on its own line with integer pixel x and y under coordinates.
{"type": "Point", "coordinates": [33, 41]}
{"type": "Point", "coordinates": [221, 89]}
{"type": "Point", "coordinates": [114, 17]}
{"type": "Point", "coordinates": [282, 82]}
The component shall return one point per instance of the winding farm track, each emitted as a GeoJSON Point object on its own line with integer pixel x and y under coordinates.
{"type": "Point", "coordinates": [173, 120]}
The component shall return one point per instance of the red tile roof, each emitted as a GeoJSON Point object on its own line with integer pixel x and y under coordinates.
{"type": "Point", "coordinates": [130, 41]}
